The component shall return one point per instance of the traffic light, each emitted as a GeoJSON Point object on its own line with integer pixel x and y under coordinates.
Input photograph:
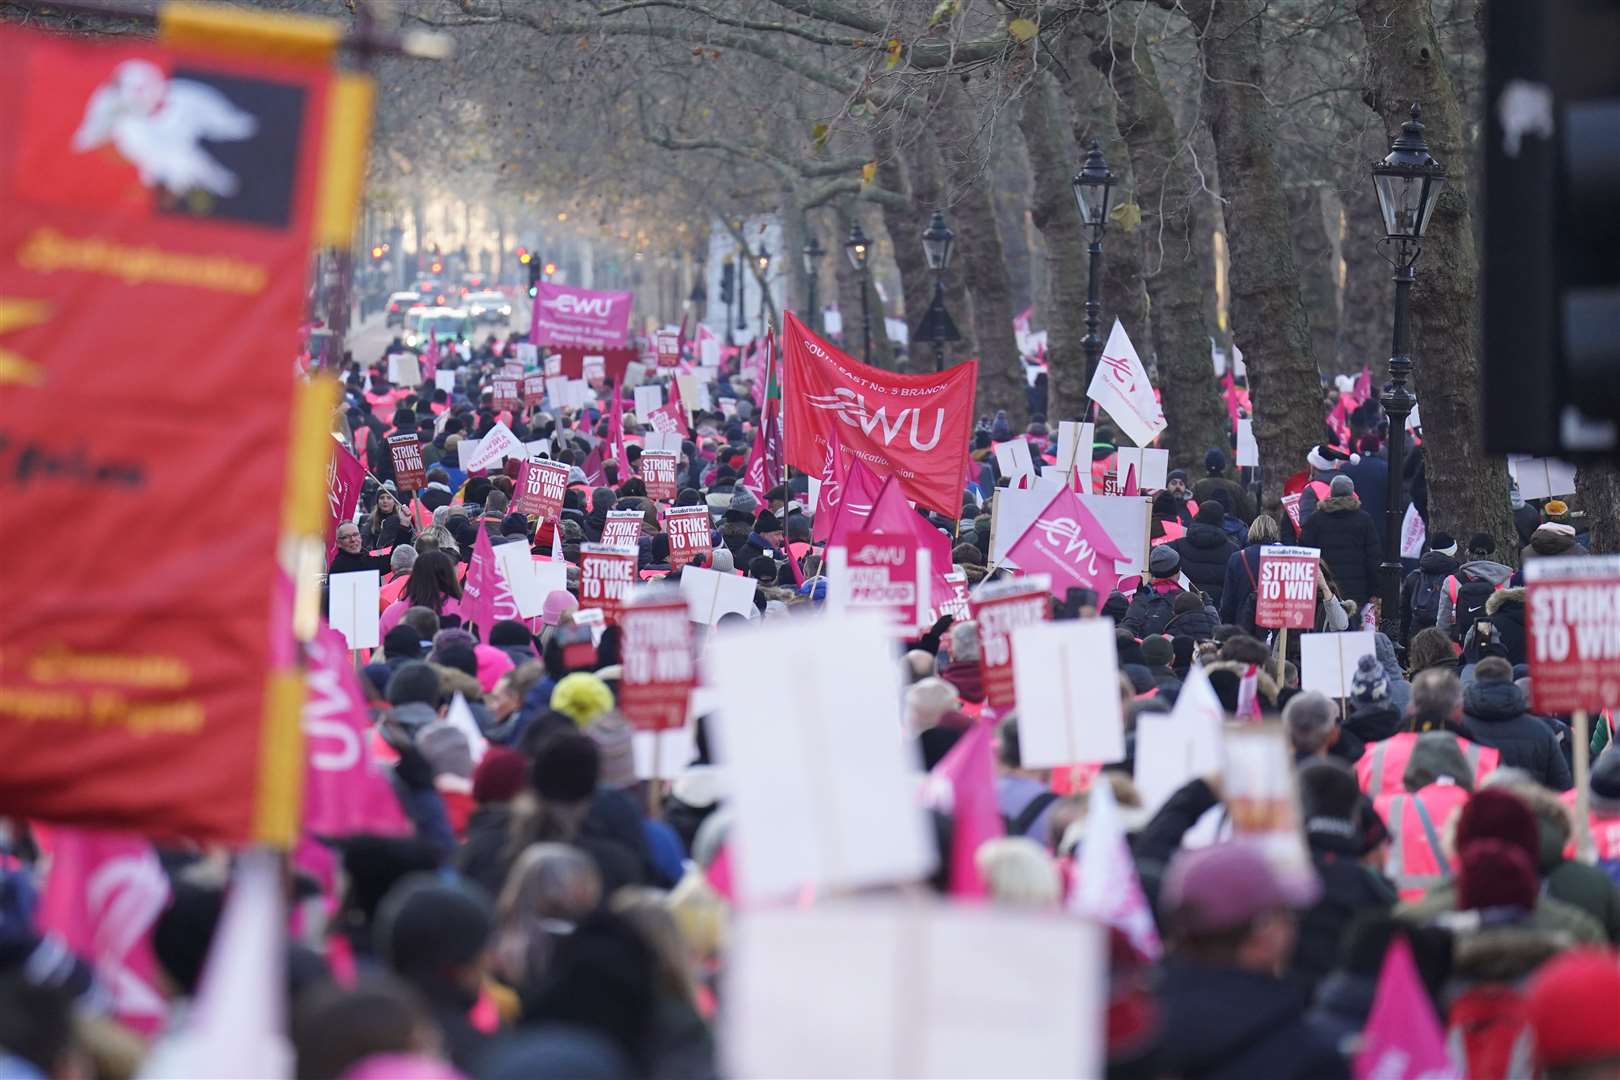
{"type": "Point", "coordinates": [728, 282]}
{"type": "Point", "coordinates": [551, 268]}
{"type": "Point", "coordinates": [438, 266]}
{"type": "Point", "coordinates": [524, 256]}
{"type": "Point", "coordinates": [534, 279]}
{"type": "Point", "coordinates": [376, 251]}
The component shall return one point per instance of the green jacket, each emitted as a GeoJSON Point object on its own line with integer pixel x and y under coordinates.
{"type": "Point", "coordinates": [1551, 914]}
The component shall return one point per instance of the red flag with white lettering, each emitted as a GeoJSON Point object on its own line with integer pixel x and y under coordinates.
{"type": "Point", "coordinates": [915, 427]}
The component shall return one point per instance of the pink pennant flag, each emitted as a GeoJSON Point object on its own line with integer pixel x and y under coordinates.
{"type": "Point", "coordinates": [860, 493]}
{"type": "Point", "coordinates": [102, 897]}
{"type": "Point", "coordinates": [592, 467]}
{"type": "Point", "coordinates": [1129, 486]}
{"type": "Point", "coordinates": [556, 542]}
{"type": "Point", "coordinates": [1067, 542]}
{"type": "Point", "coordinates": [764, 469]}
{"type": "Point", "coordinates": [970, 770]}
{"type": "Point", "coordinates": [831, 491]}
{"type": "Point", "coordinates": [345, 790]}
{"type": "Point", "coordinates": [430, 359]}
{"type": "Point", "coordinates": [1103, 880]}
{"type": "Point", "coordinates": [616, 429]}
{"type": "Point", "coordinates": [893, 515]}
{"type": "Point", "coordinates": [486, 598]}
{"type": "Point", "coordinates": [1363, 388]}
{"type": "Point", "coordinates": [1230, 395]}
{"type": "Point", "coordinates": [1248, 699]}
{"type": "Point", "coordinates": [1402, 1039]}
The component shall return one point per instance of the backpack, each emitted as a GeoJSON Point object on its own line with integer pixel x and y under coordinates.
{"type": "Point", "coordinates": [1247, 609]}
{"type": "Point", "coordinates": [1488, 1032]}
{"type": "Point", "coordinates": [1426, 600]}
{"type": "Point", "coordinates": [1018, 826]}
{"type": "Point", "coordinates": [1155, 613]}
{"type": "Point", "coordinates": [1472, 596]}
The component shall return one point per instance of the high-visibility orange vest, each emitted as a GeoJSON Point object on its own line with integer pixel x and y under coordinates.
{"type": "Point", "coordinates": [1417, 862]}
{"type": "Point", "coordinates": [1380, 769]}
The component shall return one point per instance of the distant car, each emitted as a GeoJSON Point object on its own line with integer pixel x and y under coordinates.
{"type": "Point", "coordinates": [398, 304]}
{"type": "Point", "coordinates": [489, 307]}
{"type": "Point", "coordinates": [447, 324]}
{"type": "Point", "coordinates": [434, 291]}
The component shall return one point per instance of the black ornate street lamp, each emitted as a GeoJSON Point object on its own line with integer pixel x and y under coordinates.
{"type": "Point", "coordinates": [1092, 185]}
{"type": "Point", "coordinates": [1408, 182]}
{"type": "Point", "coordinates": [859, 249]}
{"type": "Point", "coordinates": [937, 241]}
{"type": "Point", "coordinates": [813, 252]}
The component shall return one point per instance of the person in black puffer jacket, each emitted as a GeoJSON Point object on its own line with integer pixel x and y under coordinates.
{"type": "Point", "coordinates": [1505, 609]}
{"type": "Point", "coordinates": [1205, 550]}
{"type": "Point", "coordinates": [1495, 714]}
{"type": "Point", "coordinates": [1348, 540]}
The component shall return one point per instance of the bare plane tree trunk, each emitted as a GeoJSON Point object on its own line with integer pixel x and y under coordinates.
{"type": "Point", "coordinates": [1364, 332]}
{"type": "Point", "coordinates": [1192, 403]}
{"type": "Point", "coordinates": [1468, 490]}
{"type": "Point", "coordinates": [916, 280]}
{"type": "Point", "coordinates": [1001, 373]}
{"type": "Point", "coordinates": [923, 169]}
{"type": "Point", "coordinates": [1598, 488]}
{"type": "Point", "coordinates": [1052, 159]}
{"type": "Point", "coordinates": [1314, 252]}
{"type": "Point", "coordinates": [1267, 314]}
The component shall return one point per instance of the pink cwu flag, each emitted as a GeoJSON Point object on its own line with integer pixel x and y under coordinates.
{"type": "Point", "coordinates": [970, 770]}
{"type": "Point", "coordinates": [102, 898]}
{"type": "Point", "coordinates": [1067, 542]}
{"type": "Point", "coordinates": [486, 598]}
{"type": "Point", "coordinates": [830, 493]}
{"type": "Point", "coordinates": [1402, 1039]}
{"type": "Point", "coordinates": [345, 791]}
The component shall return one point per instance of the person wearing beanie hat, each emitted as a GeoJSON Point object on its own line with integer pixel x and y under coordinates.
{"type": "Point", "coordinates": [1348, 540]}
{"type": "Point", "coordinates": [722, 561]}
{"type": "Point", "coordinates": [1191, 618]}
{"type": "Point", "coordinates": [1497, 878]}
{"type": "Point", "coordinates": [1228, 916]}
{"type": "Point", "coordinates": [497, 780]}
{"type": "Point", "coordinates": [1496, 714]}
{"type": "Point", "coordinates": [558, 607]}
{"type": "Point", "coordinates": [1499, 815]}
{"type": "Point", "coordinates": [1423, 588]}
{"type": "Point", "coordinates": [1231, 493]}
{"type": "Point", "coordinates": [433, 934]}
{"type": "Point", "coordinates": [1373, 715]}
{"type": "Point", "coordinates": [1158, 654]}
{"type": "Point", "coordinates": [1153, 605]}
{"type": "Point", "coordinates": [565, 769]}
{"type": "Point", "coordinates": [1205, 550]}
{"type": "Point", "coordinates": [1553, 538]}
{"type": "Point", "coordinates": [612, 734]}
{"type": "Point", "coordinates": [766, 538]}
{"type": "Point", "coordinates": [1324, 463]}
{"type": "Point", "coordinates": [582, 697]}
{"type": "Point", "coordinates": [1570, 1004]}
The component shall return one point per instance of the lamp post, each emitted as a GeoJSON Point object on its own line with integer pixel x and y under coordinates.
{"type": "Point", "coordinates": [1092, 185]}
{"type": "Point", "coordinates": [858, 248]}
{"type": "Point", "coordinates": [813, 251]}
{"type": "Point", "coordinates": [762, 259]}
{"type": "Point", "coordinates": [742, 276]}
{"type": "Point", "coordinates": [937, 241]}
{"type": "Point", "coordinates": [1408, 183]}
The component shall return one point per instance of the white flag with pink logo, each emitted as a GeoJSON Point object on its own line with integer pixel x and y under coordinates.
{"type": "Point", "coordinates": [1121, 388]}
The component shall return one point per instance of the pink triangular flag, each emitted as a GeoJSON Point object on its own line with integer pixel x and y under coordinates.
{"type": "Point", "coordinates": [893, 515]}
{"type": "Point", "coordinates": [830, 493]}
{"type": "Point", "coordinates": [345, 791]}
{"type": "Point", "coordinates": [483, 581]}
{"type": "Point", "coordinates": [861, 488]}
{"type": "Point", "coordinates": [556, 542]}
{"type": "Point", "coordinates": [1105, 885]}
{"type": "Point", "coordinates": [1402, 1039]}
{"type": "Point", "coordinates": [1129, 486]}
{"type": "Point", "coordinates": [970, 769]}
{"type": "Point", "coordinates": [1068, 542]}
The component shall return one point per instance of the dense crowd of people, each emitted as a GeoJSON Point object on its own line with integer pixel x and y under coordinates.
{"type": "Point", "coordinates": [548, 911]}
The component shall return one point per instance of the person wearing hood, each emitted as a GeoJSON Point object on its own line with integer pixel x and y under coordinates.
{"type": "Point", "coordinates": [1348, 540]}
{"type": "Point", "coordinates": [603, 499]}
{"type": "Point", "coordinates": [1206, 550]}
{"type": "Point", "coordinates": [1435, 785]}
{"type": "Point", "coordinates": [1525, 517]}
{"type": "Point", "coordinates": [1506, 612]}
{"type": "Point", "coordinates": [1214, 479]}
{"type": "Point", "coordinates": [1463, 599]}
{"type": "Point", "coordinates": [1495, 714]}
{"type": "Point", "coordinates": [437, 493]}
{"type": "Point", "coordinates": [1423, 587]}
{"type": "Point", "coordinates": [736, 526]}
{"type": "Point", "coordinates": [1229, 919]}
{"type": "Point", "coordinates": [1191, 618]}
{"type": "Point", "coordinates": [1552, 538]}
{"type": "Point", "coordinates": [1337, 823]}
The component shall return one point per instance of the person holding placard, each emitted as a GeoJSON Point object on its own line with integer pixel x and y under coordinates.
{"type": "Point", "coordinates": [388, 524]}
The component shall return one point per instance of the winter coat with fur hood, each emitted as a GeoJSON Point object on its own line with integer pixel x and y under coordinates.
{"type": "Point", "coordinates": [1350, 545]}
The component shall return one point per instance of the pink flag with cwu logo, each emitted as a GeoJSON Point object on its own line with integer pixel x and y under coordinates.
{"type": "Point", "coordinates": [345, 791]}
{"type": "Point", "coordinates": [1067, 542]}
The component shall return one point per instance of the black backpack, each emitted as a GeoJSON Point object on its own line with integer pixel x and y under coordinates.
{"type": "Point", "coordinates": [1426, 600]}
{"type": "Point", "coordinates": [1472, 596]}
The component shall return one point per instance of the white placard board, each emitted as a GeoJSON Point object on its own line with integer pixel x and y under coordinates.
{"type": "Point", "coordinates": [892, 988]}
{"type": "Point", "coordinates": [1152, 466]}
{"type": "Point", "coordinates": [635, 373]}
{"type": "Point", "coordinates": [809, 812]}
{"type": "Point", "coordinates": [710, 594]}
{"type": "Point", "coordinates": [1327, 662]}
{"type": "Point", "coordinates": [444, 380]}
{"type": "Point", "coordinates": [1248, 450]}
{"type": "Point", "coordinates": [516, 565]}
{"type": "Point", "coordinates": [528, 354]}
{"type": "Point", "coordinates": [649, 399]}
{"type": "Point", "coordinates": [694, 393]}
{"type": "Point", "coordinates": [1183, 744]}
{"type": "Point", "coordinates": [1070, 674]}
{"type": "Point", "coordinates": [404, 369]}
{"type": "Point", "coordinates": [353, 607]}
{"type": "Point", "coordinates": [1012, 457]}
{"type": "Point", "coordinates": [663, 754]}
{"type": "Point", "coordinates": [662, 441]}
{"type": "Point", "coordinates": [552, 575]}
{"type": "Point", "coordinates": [1074, 449]}
{"type": "Point", "coordinates": [1542, 478]}
{"type": "Point", "coordinates": [466, 451]}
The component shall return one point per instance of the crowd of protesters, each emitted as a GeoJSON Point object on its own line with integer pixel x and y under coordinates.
{"type": "Point", "coordinates": [551, 914]}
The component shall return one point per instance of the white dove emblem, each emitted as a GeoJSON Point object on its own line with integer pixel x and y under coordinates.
{"type": "Point", "coordinates": [156, 124]}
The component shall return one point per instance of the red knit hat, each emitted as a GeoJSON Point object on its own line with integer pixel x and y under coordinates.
{"type": "Point", "coordinates": [1494, 814]}
{"type": "Point", "coordinates": [1574, 1006]}
{"type": "Point", "coordinates": [499, 776]}
{"type": "Point", "coordinates": [1494, 874]}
